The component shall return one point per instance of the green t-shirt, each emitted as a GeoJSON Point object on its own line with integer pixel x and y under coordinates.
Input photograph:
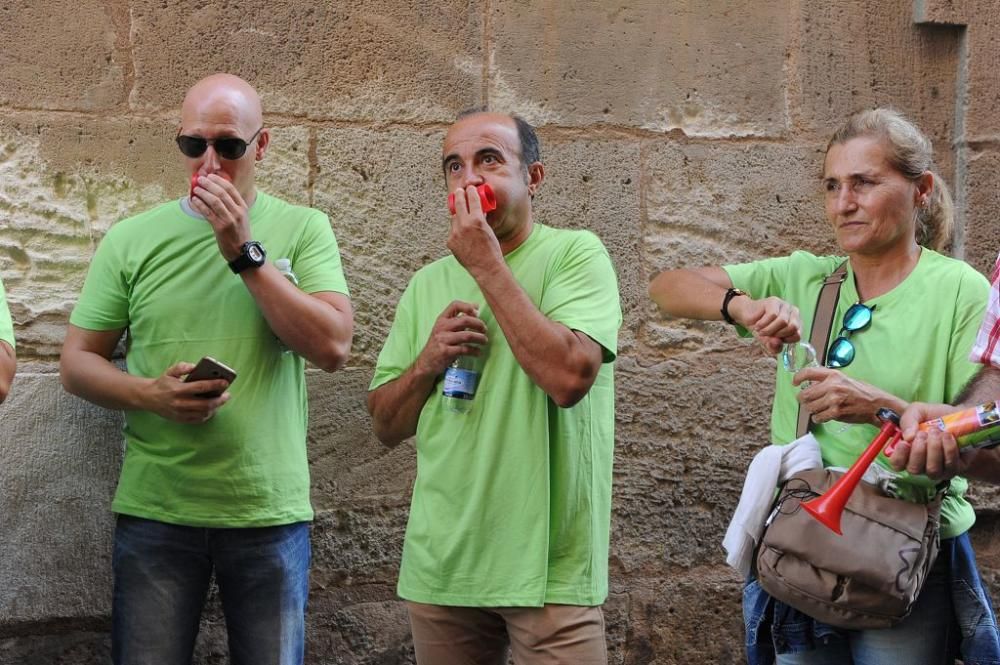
{"type": "Point", "coordinates": [512, 501]}
{"type": "Point", "coordinates": [160, 274]}
{"type": "Point", "coordinates": [916, 348]}
{"type": "Point", "coordinates": [6, 324]}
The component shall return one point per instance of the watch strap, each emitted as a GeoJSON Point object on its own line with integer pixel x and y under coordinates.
{"type": "Point", "coordinates": [730, 294]}
{"type": "Point", "coordinates": [244, 260]}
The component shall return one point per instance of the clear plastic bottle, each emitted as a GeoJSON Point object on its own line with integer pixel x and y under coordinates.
{"type": "Point", "coordinates": [284, 266]}
{"type": "Point", "coordinates": [460, 382]}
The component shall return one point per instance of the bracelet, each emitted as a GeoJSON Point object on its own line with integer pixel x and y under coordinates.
{"type": "Point", "coordinates": [730, 294]}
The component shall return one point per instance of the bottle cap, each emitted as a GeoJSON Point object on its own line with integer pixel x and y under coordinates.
{"type": "Point", "coordinates": [284, 265]}
{"type": "Point", "coordinates": [486, 198]}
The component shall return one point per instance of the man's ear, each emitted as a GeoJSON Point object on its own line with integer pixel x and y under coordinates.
{"type": "Point", "coordinates": [263, 140]}
{"type": "Point", "coordinates": [536, 174]}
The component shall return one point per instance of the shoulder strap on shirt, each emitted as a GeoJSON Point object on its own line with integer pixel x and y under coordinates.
{"type": "Point", "coordinates": [826, 305]}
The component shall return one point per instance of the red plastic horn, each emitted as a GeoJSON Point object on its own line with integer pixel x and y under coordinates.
{"type": "Point", "coordinates": [829, 507]}
{"type": "Point", "coordinates": [486, 199]}
{"type": "Point", "coordinates": [195, 176]}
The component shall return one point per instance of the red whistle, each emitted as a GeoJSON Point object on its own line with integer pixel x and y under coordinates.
{"type": "Point", "coordinates": [486, 199]}
{"type": "Point", "coordinates": [194, 180]}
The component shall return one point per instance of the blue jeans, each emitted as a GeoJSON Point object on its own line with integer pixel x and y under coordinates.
{"type": "Point", "coordinates": [161, 577]}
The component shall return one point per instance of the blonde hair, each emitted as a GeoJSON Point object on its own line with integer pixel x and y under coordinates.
{"type": "Point", "coordinates": [911, 154]}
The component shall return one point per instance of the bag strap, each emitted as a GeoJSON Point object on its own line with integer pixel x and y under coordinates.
{"type": "Point", "coordinates": [826, 306]}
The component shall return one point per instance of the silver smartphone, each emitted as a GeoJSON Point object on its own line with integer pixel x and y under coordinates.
{"type": "Point", "coordinates": [207, 369]}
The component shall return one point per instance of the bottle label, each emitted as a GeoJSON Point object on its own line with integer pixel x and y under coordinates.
{"type": "Point", "coordinates": [460, 383]}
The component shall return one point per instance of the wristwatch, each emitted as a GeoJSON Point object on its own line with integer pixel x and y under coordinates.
{"type": "Point", "coordinates": [730, 294]}
{"type": "Point", "coordinates": [252, 255]}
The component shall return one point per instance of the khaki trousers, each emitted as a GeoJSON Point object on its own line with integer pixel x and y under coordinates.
{"type": "Point", "coordinates": [548, 635]}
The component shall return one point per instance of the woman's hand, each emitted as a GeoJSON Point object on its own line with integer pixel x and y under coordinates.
{"type": "Point", "coordinates": [832, 395]}
{"type": "Point", "coordinates": [772, 321]}
{"type": "Point", "coordinates": [932, 453]}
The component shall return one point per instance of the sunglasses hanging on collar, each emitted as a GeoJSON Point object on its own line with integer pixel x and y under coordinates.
{"type": "Point", "coordinates": [857, 317]}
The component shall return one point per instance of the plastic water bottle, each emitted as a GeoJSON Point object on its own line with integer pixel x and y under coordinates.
{"type": "Point", "coordinates": [460, 382]}
{"type": "Point", "coordinates": [284, 266]}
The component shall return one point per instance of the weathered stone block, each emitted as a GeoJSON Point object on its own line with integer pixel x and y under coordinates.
{"type": "Point", "coordinates": [982, 231]}
{"type": "Point", "coordinates": [386, 197]}
{"type": "Point", "coordinates": [716, 203]}
{"type": "Point", "coordinates": [979, 97]}
{"type": "Point", "coordinates": [61, 459]}
{"type": "Point", "coordinates": [63, 182]}
{"type": "Point", "coordinates": [946, 12]}
{"type": "Point", "coordinates": [47, 65]}
{"type": "Point", "coordinates": [347, 462]}
{"type": "Point", "coordinates": [78, 647]}
{"type": "Point", "coordinates": [349, 60]}
{"type": "Point", "coordinates": [285, 169]}
{"type": "Point", "coordinates": [859, 54]}
{"type": "Point", "coordinates": [594, 184]}
{"type": "Point", "coordinates": [680, 619]}
{"type": "Point", "coordinates": [687, 428]}
{"type": "Point", "coordinates": [355, 616]}
{"type": "Point", "coordinates": [708, 69]}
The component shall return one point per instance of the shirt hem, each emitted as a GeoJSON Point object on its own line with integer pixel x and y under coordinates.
{"type": "Point", "coordinates": [461, 600]}
{"type": "Point", "coordinates": [213, 521]}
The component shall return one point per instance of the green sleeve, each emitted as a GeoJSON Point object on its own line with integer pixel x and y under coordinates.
{"type": "Point", "coordinates": [316, 261]}
{"type": "Point", "coordinates": [103, 303]}
{"type": "Point", "coordinates": [400, 349]}
{"type": "Point", "coordinates": [973, 293]}
{"type": "Point", "coordinates": [6, 324]}
{"type": "Point", "coordinates": [761, 279]}
{"type": "Point", "coordinates": [582, 293]}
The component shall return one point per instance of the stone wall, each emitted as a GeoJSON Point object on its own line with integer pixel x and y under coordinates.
{"type": "Point", "coordinates": [681, 131]}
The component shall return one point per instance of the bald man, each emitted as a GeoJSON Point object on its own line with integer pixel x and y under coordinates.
{"type": "Point", "coordinates": [215, 477]}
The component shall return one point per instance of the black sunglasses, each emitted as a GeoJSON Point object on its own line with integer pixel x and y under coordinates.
{"type": "Point", "coordinates": [230, 147]}
{"type": "Point", "coordinates": [857, 317]}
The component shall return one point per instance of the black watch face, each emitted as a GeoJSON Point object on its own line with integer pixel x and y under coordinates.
{"type": "Point", "coordinates": [255, 253]}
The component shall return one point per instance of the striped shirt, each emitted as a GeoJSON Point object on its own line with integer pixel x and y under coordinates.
{"type": "Point", "coordinates": [986, 350]}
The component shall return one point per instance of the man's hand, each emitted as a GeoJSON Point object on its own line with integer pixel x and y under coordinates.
{"type": "Point", "coordinates": [772, 321]}
{"type": "Point", "coordinates": [832, 395]}
{"type": "Point", "coordinates": [395, 406]}
{"type": "Point", "coordinates": [932, 453]}
{"type": "Point", "coordinates": [471, 239]}
{"type": "Point", "coordinates": [458, 331]}
{"type": "Point", "coordinates": [169, 397]}
{"type": "Point", "coordinates": [220, 203]}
